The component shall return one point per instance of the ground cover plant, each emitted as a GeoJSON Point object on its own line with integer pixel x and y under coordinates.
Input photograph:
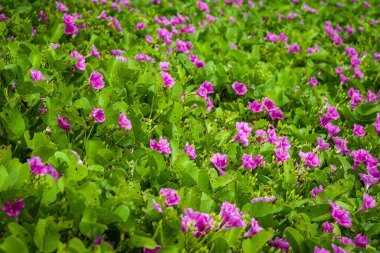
{"type": "Point", "coordinates": [189, 126]}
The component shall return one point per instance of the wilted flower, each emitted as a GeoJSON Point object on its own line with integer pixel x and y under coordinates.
{"type": "Point", "coordinates": [124, 122]}
{"type": "Point", "coordinates": [254, 229]}
{"type": "Point", "coordinates": [280, 243]}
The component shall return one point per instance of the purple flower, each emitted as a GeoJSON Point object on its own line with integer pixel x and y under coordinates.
{"type": "Point", "coordinates": [251, 162]}
{"type": "Point", "coordinates": [341, 146]}
{"type": "Point", "coordinates": [358, 73]}
{"type": "Point", "coordinates": [50, 170]}
{"type": "Point", "coordinates": [172, 198]}
{"type": "Point", "coordinates": [361, 241]}
{"type": "Point", "coordinates": [316, 190]}
{"type": "Point", "coordinates": [97, 240]}
{"type": "Point", "coordinates": [368, 180]}
{"type": "Point", "coordinates": [332, 112]}
{"type": "Point", "coordinates": [63, 123]}
{"type": "Point", "coordinates": [293, 48]}
{"type": "Point", "coordinates": [368, 202]}
{"type": "Point", "coordinates": [203, 6]}
{"type": "Point", "coordinates": [240, 88]}
{"type": "Point", "coordinates": [254, 229]}
{"type": "Point", "coordinates": [231, 217]}
{"type": "Point", "coordinates": [264, 199]}
{"type": "Point", "coordinates": [244, 130]}
{"type": "Point", "coordinates": [157, 206]}
{"type": "Point", "coordinates": [313, 81]}
{"type": "Point", "coordinates": [377, 124]}
{"type": "Point", "coordinates": [320, 250]}
{"type": "Point", "coordinates": [96, 80]}
{"type": "Point", "coordinates": [163, 146]}
{"type": "Point", "coordinates": [268, 104]}
{"type": "Point", "coordinates": [61, 6]}
{"type": "Point", "coordinates": [311, 159]}
{"type": "Point", "coordinates": [36, 165]}
{"type": "Point", "coordinates": [36, 75]}
{"type": "Point", "coordinates": [115, 22]}
{"type": "Point", "coordinates": [359, 130]}
{"type": "Point", "coordinates": [340, 216]}
{"type": "Point", "coordinates": [255, 106]}
{"type": "Point", "coordinates": [276, 113]}
{"type": "Point", "coordinates": [220, 162]}
{"type": "Point", "coordinates": [199, 223]}
{"type": "Point", "coordinates": [81, 64]}
{"type": "Point", "coordinates": [280, 243]}
{"type": "Point", "coordinates": [337, 249]}
{"type": "Point", "coordinates": [94, 52]}
{"type": "Point", "coordinates": [190, 151]}
{"type": "Point", "coordinates": [124, 122]}
{"type": "Point", "coordinates": [168, 79]}
{"type": "Point", "coordinates": [157, 248]}
{"type": "Point", "coordinates": [281, 155]}
{"type": "Point", "coordinates": [322, 145]}
{"type": "Point", "coordinates": [98, 115]}
{"type": "Point", "coordinates": [14, 207]}
{"type": "Point", "coordinates": [327, 227]}
{"type": "Point", "coordinates": [164, 66]}
{"type": "Point", "coordinates": [140, 25]}
{"type": "Point", "coordinates": [70, 27]}
{"type": "Point", "coordinates": [205, 89]}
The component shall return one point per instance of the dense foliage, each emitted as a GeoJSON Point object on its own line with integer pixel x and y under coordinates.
{"type": "Point", "coordinates": [189, 126]}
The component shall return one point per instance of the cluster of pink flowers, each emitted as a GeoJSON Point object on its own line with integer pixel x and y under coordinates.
{"type": "Point", "coordinates": [274, 37]}
{"type": "Point", "coordinates": [266, 105]}
{"type": "Point", "coordinates": [162, 146]}
{"type": "Point", "coordinates": [326, 120]}
{"type": "Point", "coordinates": [244, 130]}
{"type": "Point", "coordinates": [190, 151]}
{"type": "Point", "coordinates": [310, 158]}
{"type": "Point", "coordinates": [196, 61]}
{"type": "Point", "coordinates": [204, 90]}
{"type": "Point", "coordinates": [39, 168]}
{"type": "Point", "coordinates": [36, 75]}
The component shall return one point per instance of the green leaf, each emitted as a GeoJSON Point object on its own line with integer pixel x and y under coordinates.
{"type": "Point", "coordinates": [46, 235]}
{"type": "Point", "coordinates": [256, 242]}
{"type": "Point", "coordinates": [141, 241]}
{"type": "Point", "coordinates": [296, 240]}
{"type": "Point", "coordinates": [123, 211]}
{"type": "Point", "coordinates": [13, 244]}
{"type": "Point", "coordinates": [13, 123]}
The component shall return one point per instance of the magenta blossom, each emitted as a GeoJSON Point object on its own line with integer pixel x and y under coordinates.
{"type": "Point", "coordinates": [337, 249]}
{"type": "Point", "coordinates": [162, 146]}
{"type": "Point", "coordinates": [361, 241]}
{"type": "Point", "coordinates": [327, 227]}
{"type": "Point", "coordinates": [368, 202]}
{"type": "Point", "coordinates": [172, 198]}
{"type": "Point", "coordinates": [293, 48]}
{"type": "Point", "coordinates": [276, 113]}
{"type": "Point", "coordinates": [168, 79]}
{"type": "Point", "coordinates": [63, 123]}
{"type": "Point", "coordinates": [240, 88]}
{"type": "Point", "coordinates": [157, 206]}
{"type": "Point", "coordinates": [14, 207]}
{"type": "Point", "coordinates": [264, 199]}
{"type": "Point", "coordinates": [98, 115]}
{"type": "Point", "coordinates": [231, 217]}
{"type": "Point", "coordinates": [140, 25]}
{"type": "Point", "coordinates": [190, 151]}
{"type": "Point", "coordinates": [96, 80]}
{"type": "Point", "coordinates": [254, 229]}
{"type": "Point", "coordinates": [322, 145]}
{"type": "Point", "coordinates": [316, 190]}
{"type": "Point", "coordinates": [311, 159]}
{"type": "Point", "coordinates": [94, 52]}
{"type": "Point", "coordinates": [220, 162]}
{"type": "Point", "coordinates": [61, 6]}
{"type": "Point", "coordinates": [36, 165]}
{"type": "Point", "coordinates": [340, 216]}
{"type": "Point", "coordinates": [320, 250]}
{"type": "Point", "coordinates": [255, 106]}
{"type": "Point", "coordinates": [36, 75]}
{"type": "Point", "coordinates": [280, 243]}
{"type": "Point", "coordinates": [164, 66]}
{"type": "Point", "coordinates": [156, 249]}
{"type": "Point", "coordinates": [251, 162]}
{"type": "Point", "coordinates": [244, 130]}
{"type": "Point", "coordinates": [199, 223]}
{"type": "Point", "coordinates": [81, 64]}
{"type": "Point", "coordinates": [377, 124]}
{"type": "Point", "coordinates": [124, 122]}
{"type": "Point", "coordinates": [203, 6]}
{"type": "Point", "coordinates": [313, 81]}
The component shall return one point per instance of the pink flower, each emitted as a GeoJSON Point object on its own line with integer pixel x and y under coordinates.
{"type": "Point", "coordinates": [320, 250]}
{"type": "Point", "coordinates": [358, 73]}
{"type": "Point", "coordinates": [102, 15]}
{"type": "Point", "coordinates": [255, 106]}
{"type": "Point", "coordinates": [327, 227]}
{"type": "Point", "coordinates": [322, 145]}
{"type": "Point", "coordinates": [264, 199]}
{"type": "Point", "coordinates": [240, 88]}
{"type": "Point", "coordinates": [183, 46]}
{"type": "Point", "coordinates": [359, 130]}
{"type": "Point", "coordinates": [332, 112]}
{"type": "Point", "coordinates": [340, 216]}
{"type": "Point", "coordinates": [140, 25]}
{"type": "Point", "coordinates": [368, 180]}
{"type": "Point", "coordinates": [155, 250]}
{"type": "Point", "coordinates": [96, 80]}
{"type": "Point", "coordinates": [316, 190]}
{"type": "Point", "coordinates": [311, 159]}
{"type": "Point", "coordinates": [199, 223]}
{"type": "Point", "coordinates": [81, 64]}
{"type": "Point", "coordinates": [172, 198]}
{"type": "Point", "coordinates": [244, 130]}
{"type": "Point", "coordinates": [37, 75]}
{"type": "Point", "coordinates": [36, 166]}
{"type": "Point", "coordinates": [313, 81]}
{"type": "Point", "coordinates": [231, 217]}
{"type": "Point", "coordinates": [251, 162]}
{"type": "Point", "coordinates": [115, 22]}
{"type": "Point", "coordinates": [98, 115]}
{"type": "Point", "coordinates": [337, 249]}
{"type": "Point", "coordinates": [168, 79]}
{"type": "Point", "coordinates": [63, 123]}
{"type": "Point", "coordinates": [220, 162]}
{"type": "Point", "coordinates": [254, 229]}
{"type": "Point", "coordinates": [281, 155]}
{"type": "Point", "coordinates": [368, 202]}
{"type": "Point", "coordinates": [14, 207]}
{"type": "Point", "coordinates": [163, 146]}
{"type": "Point", "coordinates": [332, 129]}
{"type": "Point", "coordinates": [203, 6]}
{"type": "Point", "coordinates": [124, 122]}
{"type": "Point", "coordinates": [361, 241]}
{"type": "Point", "coordinates": [276, 113]}
{"type": "Point", "coordinates": [165, 66]}
{"type": "Point", "coordinates": [280, 243]}
{"type": "Point", "coordinates": [94, 52]}
{"type": "Point", "coordinates": [70, 27]}
{"type": "Point", "coordinates": [61, 6]}
{"type": "Point", "coordinates": [144, 57]}
{"type": "Point", "coordinates": [268, 104]}
{"type": "Point", "coordinates": [293, 48]}
{"type": "Point", "coordinates": [377, 124]}
{"type": "Point", "coordinates": [157, 206]}
{"type": "Point", "coordinates": [190, 151]}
